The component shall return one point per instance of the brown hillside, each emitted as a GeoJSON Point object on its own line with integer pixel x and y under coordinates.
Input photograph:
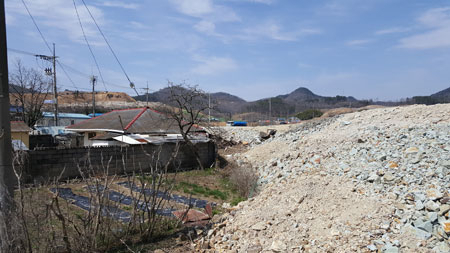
{"type": "Point", "coordinates": [69, 97]}
{"type": "Point", "coordinates": [72, 97]}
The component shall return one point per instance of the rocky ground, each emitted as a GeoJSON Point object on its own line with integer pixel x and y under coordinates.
{"type": "Point", "coordinates": [368, 181]}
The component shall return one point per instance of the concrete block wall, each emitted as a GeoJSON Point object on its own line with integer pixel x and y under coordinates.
{"type": "Point", "coordinates": [69, 163]}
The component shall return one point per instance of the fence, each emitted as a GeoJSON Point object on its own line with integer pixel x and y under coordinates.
{"type": "Point", "coordinates": [66, 163]}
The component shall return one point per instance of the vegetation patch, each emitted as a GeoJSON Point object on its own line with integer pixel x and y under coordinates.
{"type": "Point", "coordinates": [309, 114]}
{"type": "Point", "coordinates": [194, 189]}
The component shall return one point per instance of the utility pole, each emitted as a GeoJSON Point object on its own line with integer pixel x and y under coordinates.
{"type": "Point", "coordinates": [147, 93]}
{"type": "Point", "coordinates": [270, 109]}
{"type": "Point", "coordinates": [209, 108]}
{"type": "Point", "coordinates": [49, 72]}
{"type": "Point", "coordinates": [55, 90]}
{"type": "Point", "coordinates": [6, 171]}
{"type": "Point", "coordinates": [93, 79]}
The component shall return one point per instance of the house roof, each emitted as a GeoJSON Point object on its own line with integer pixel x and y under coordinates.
{"type": "Point", "coordinates": [138, 120]}
{"type": "Point", "coordinates": [66, 115]}
{"type": "Point", "coordinates": [20, 126]}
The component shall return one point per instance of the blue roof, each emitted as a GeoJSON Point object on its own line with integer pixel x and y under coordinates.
{"type": "Point", "coordinates": [96, 114]}
{"type": "Point", "coordinates": [66, 115]}
{"type": "Point", "coordinates": [14, 108]}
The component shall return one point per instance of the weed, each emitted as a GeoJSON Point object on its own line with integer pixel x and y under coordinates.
{"type": "Point", "coordinates": [196, 189]}
{"type": "Point", "coordinates": [237, 200]}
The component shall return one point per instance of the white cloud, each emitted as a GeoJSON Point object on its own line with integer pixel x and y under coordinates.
{"type": "Point", "coordinates": [302, 65]}
{"type": "Point", "coordinates": [392, 30]}
{"type": "Point", "coordinates": [207, 27]}
{"type": "Point", "coordinates": [437, 23]}
{"type": "Point", "coordinates": [195, 8]}
{"type": "Point", "coordinates": [358, 42]}
{"type": "Point", "coordinates": [343, 8]}
{"type": "Point", "coordinates": [120, 4]}
{"type": "Point", "coordinates": [268, 2]}
{"type": "Point", "coordinates": [274, 31]}
{"type": "Point", "coordinates": [62, 18]}
{"type": "Point", "coordinates": [214, 65]}
{"type": "Point", "coordinates": [210, 14]}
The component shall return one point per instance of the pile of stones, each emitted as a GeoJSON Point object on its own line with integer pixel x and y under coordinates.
{"type": "Point", "coordinates": [398, 157]}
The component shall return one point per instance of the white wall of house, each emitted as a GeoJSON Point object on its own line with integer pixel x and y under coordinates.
{"type": "Point", "coordinates": [102, 143]}
{"type": "Point", "coordinates": [97, 143]}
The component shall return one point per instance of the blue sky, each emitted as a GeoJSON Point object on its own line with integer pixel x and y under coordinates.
{"type": "Point", "coordinates": [371, 49]}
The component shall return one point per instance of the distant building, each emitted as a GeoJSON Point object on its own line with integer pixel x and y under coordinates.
{"type": "Point", "coordinates": [65, 119]}
{"type": "Point", "coordinates": [16, 112]}
{"type": "Point", "coordinates": [20, 135]}
{"type": "Point", "coordinates": [130, 126]}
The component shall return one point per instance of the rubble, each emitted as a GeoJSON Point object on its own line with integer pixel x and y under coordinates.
{"type": "Point", "coordinates": [376, 180]}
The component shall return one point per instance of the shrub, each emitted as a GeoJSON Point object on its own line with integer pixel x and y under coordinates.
{"type": "Point", "coordinates": [309, 114]}
{"type": "Point", "coordinates": [245, 180]}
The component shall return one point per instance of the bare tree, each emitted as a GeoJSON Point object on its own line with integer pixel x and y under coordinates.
{"type": "Point", "coordinates": [190, 104]}
{"type": "Point", "coordinates": [29, 89]}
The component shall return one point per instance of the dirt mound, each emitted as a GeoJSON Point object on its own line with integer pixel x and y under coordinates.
{"type": "Point", "coordinates": [70, 97]}
{"type": "Point", "coordinates": [375, 180]}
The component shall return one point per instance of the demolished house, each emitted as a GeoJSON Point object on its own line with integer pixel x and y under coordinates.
{"type": "Point", "coordinates": [132, 127]}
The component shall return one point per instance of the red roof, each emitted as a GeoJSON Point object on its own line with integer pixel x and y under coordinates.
{"type": "Point", "coordinates": [136, 120]}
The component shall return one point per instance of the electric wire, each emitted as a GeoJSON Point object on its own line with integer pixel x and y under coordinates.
{"type": "Point", "coordinates": [37, 27]}
{"type": "Point", "coordinates": [80, 73]}
{"type": "Point", "coordinates": [45, 41]}
{"type": "Point", "coordinates": [89, 46]}
{"type": "Point", "coordinates": [104, 37]}
{"type": "Point", "coordinates": [72, 69]}
{"type": "Point", "coordinates": [20, 51]}
{"type": "Point", "coordinates": [61, 65]}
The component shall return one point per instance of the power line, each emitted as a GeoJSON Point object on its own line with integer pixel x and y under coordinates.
{"type": "Point", "coordinates": [66, 74]}
{"type": "Point", "coordinates": [20, 51]}
{"type": "Point", "coordinates": [87, 43]}
{"type": "Point", "coordinates": [37, 27]}
{"type": "Point", "coordinates": [78, 72]}
{"type": "Point", "coordinates": [45, 41]}
{"type": "Point", "coordinates": [61, 65]}
{"type": "Point", "coordinates": [110, 48]}
{"type": "Point", "coordinates": [75, 70]}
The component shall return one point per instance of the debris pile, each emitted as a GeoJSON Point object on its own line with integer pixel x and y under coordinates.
{"type": "Point", "coordinates": [376, 180]}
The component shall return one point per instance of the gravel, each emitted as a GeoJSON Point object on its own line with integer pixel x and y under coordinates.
{"type": "Point", "coordinates": [376, 180]}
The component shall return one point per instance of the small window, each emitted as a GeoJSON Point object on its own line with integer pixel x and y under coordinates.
{"type": "Point", "coordinates": [72, 122]}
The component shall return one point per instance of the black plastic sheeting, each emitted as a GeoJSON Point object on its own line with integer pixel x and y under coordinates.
{"type": "Point", "coordinates": [84, 203]}
{"type": "Point", "coordinates": [127, 200]}
{"type": "Point", "coordinates": [199, 203]}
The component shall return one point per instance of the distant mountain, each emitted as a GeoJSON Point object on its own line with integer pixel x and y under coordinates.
{"type": "Point", "coordinates": [280, 106]}
{"type": "Point", "coordinates": [18, 89]}
{"type": "Point", "coordinates": [300, 94]}
{"type": "Point", "coordinates": [222, 102]}
{"type": "Point", "coordinates": [299, 100]}
{"type": "Point", "coordinates": [443, 94]}
{"type": "Point", "coordinates": [227, 103]}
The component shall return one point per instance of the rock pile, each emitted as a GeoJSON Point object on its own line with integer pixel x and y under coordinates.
{"type": "Point", "coordinates": [376, 180]}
